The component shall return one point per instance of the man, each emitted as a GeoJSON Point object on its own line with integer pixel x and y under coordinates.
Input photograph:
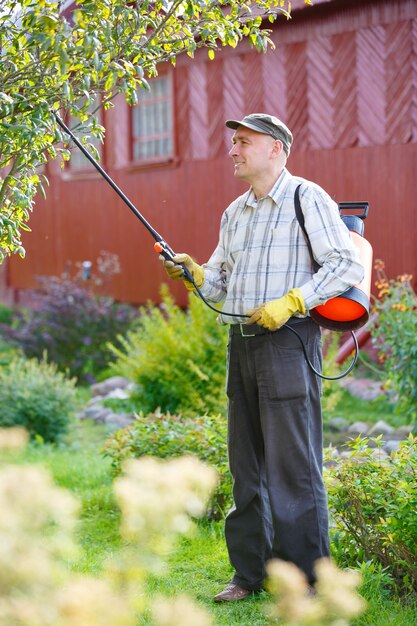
{"type": "Point", "coordinates": [262, 270]}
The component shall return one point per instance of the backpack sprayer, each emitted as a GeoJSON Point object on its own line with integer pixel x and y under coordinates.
{"type": "Point", "coordinates": [346, 312]}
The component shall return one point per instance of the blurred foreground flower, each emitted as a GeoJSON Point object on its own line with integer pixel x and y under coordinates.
{"type": "Point", "coordinates": [180, 611]}
{"type": "Point", "coordinates": [13, 438]}
{"type": "Point", "coordinates": [37, 523]}
{"type": "Point", "coordinates": [158, 498]}
{"type": "Point", "coordinates": [335, 602]}
{"type": "Point", "coordinates": [87, 601]}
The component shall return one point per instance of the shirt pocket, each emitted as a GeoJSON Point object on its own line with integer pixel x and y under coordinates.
{"type": "Point", "coordinates": [286, 376]}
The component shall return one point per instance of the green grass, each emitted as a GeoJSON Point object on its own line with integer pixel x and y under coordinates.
{"type": "Point", "coordinates": [388, 613]}
{"type": "Point", "coordinates": [199, 567]}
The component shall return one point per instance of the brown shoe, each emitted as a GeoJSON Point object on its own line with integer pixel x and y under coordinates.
{"type": "Point", "coordinates": [232, 593]}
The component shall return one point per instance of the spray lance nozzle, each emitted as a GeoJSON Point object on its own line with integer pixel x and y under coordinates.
{"type": "Point", "coordinates": [166, 251]}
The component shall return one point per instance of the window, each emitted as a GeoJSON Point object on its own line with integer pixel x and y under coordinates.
{"type": "Point", "coordinates": [152, 122]}
{"type": "Point", "coordinates": [78, 161]}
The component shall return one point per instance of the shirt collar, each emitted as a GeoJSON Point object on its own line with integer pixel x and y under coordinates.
{"type": "Point", "coordinates": [276, 191]}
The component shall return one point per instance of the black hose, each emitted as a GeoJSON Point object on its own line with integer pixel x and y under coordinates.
{"type": "Point", "coordinates": [309, 363]}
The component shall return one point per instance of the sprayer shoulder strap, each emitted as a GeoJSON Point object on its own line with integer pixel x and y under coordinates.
{"type": "Point", "coordinates": [300, 217]}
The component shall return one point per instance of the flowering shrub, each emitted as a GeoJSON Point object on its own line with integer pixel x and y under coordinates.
{"type": "Point", "coordinates": [395, 335]}
{"type": "Point", "coordinates": [71, 326]}
{"type": "Point", "coordinates": [373, 505]}
{"type": "Point", "coordinates": [37, 524]}
{"type": "Point", "coordinates": [334, 604]}
{"type": "Point", "coordinates": [158, 498]}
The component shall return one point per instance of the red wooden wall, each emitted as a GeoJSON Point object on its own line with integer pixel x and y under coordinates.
{"type": "Point", "coordinates": [343, 77]}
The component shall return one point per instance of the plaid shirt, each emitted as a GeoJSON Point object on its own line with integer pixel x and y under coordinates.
{"type": "Point", "coordinates": [262, 252]}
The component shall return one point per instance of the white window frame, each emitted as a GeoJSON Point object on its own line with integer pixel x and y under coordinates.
{"type": "Point", "coordinates": [152, 122]}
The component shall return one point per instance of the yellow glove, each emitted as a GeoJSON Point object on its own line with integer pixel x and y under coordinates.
{"type": "Point", "coordinates": [272, 315]}
{"type": "Point", "coordinates": [176, 272]}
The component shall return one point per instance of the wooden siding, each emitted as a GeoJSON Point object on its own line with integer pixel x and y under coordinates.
{"type": "Point", "coordinates": [343, 76]}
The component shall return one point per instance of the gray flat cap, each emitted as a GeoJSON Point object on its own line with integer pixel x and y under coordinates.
{"type": "Point", "coordinates": [266, 124]}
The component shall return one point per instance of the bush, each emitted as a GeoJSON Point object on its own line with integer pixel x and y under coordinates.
{"type": "Point", "coordinates": [177, 359]}
{"type": "Point", "coordinates": [165, 435]}
{"type": "Point", "coordinates": [6, 314]}
{"type": "Point", "coordinates": [373, 503]}
{"type": "Point", "coordinates": [35, 395]}
{"type": "Point", "coordinates": [72, 326]}
{"type": "Point", "coordinates": [395, 336]}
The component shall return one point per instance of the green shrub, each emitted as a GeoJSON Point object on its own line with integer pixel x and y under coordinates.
{"type": "Point", "coordinates": [7, 351]}
{"type": "Point", "coordinates": [177, 359]}
{"type": "Point", "coordinates": [165, 435]}
{"type": "Point", "coordinates": [35, 395]}
{"type": "Point", "coordinates": [72, 326]}
{"type": "Point", "coordinates": [373, 503]}
{"type": "Point", "coordinates": [395, 335]}
{"type": "Point", "coordinates": [6, 314]}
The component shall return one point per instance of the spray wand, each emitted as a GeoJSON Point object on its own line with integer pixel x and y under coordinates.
{"type": "Point", "coordinates": [161, 245]}
{"type": "Point", "coordinates": [167, 252]}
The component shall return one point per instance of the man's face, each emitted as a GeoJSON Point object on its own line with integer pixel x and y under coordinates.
{"type": "Point", "coordinates": [252, 153]}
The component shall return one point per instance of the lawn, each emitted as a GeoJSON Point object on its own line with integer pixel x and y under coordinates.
{"type": "Point", "coordinates": [199, 566]}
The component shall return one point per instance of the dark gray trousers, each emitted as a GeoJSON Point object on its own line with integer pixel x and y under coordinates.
{"type": "Point", "coordinates": [275, 453]}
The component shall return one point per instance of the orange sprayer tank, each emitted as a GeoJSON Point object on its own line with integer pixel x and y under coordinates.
{"type": "Point", "coordinates": [350, 310]}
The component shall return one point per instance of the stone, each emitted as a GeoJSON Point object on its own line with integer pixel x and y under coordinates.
{"type": "Point", "coordinates": [380, 428]}
{"type": "Point", "coordinates": [338, 424]}
{"type": "Point", "coordinates": [95, 400]}
{"type": "Point", "coordinates": [345, 454]}
{"type": "Point", "coordinates": [364, 388]}
{"type": "Point", "coordinates": [105, 416]}
{"type": "Point", "coordinates": [392, 446]}
{"type": "Point", "coordinates": [108, 385]}
{"type": "Point", "coordinates": [92, 412]}
{"type": "Point", "coordinates": [358, 428]}
{"type": "Point", "coordinates": [117, 394]}
{"type": "Point", "coordinates": [119, 420]}
{"type": "Point", "coordinates": [402, 432]}
{"type": "Point", "coordinates": [379, 454]}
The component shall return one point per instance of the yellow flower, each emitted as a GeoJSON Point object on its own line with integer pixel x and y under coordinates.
{"type": "Point", "coordinates": [384, 292]}
{"type": "Point", "coordinates": [405, 278]}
